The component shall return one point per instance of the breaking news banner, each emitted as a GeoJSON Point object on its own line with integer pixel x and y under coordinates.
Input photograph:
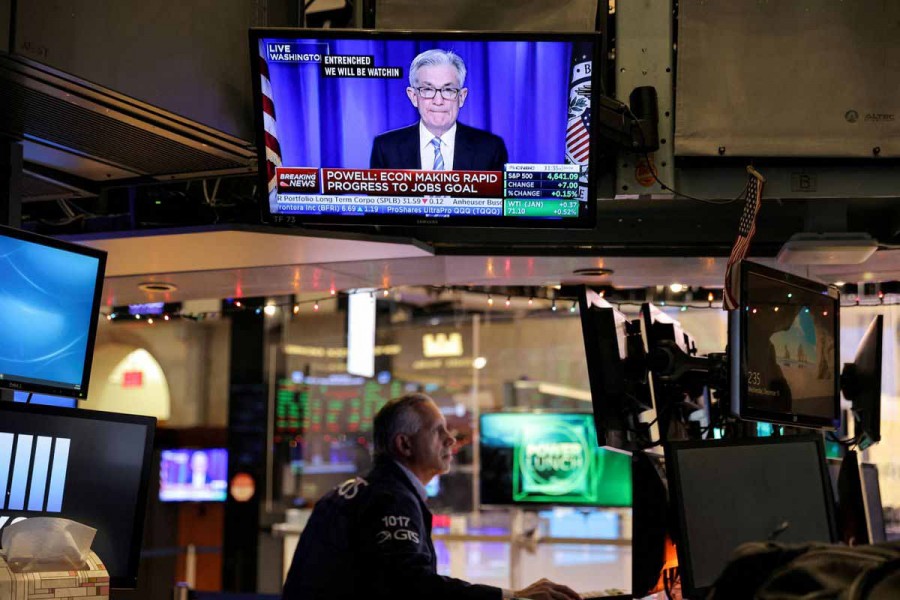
{"type": "Point", "coordinates": [392, 182]}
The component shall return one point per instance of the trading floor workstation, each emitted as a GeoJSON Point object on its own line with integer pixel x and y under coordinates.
{"type": "Point", "coordinates": [742, 433]}
{"type": "Point", "coordinates": [506, 147]}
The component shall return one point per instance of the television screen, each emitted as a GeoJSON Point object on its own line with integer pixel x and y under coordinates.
{"type": "Point", "coordinates": [89, 466]}
{"type": "Point", "coordinates": [49, 305]}
{"type": "Point", "coordinates": [726, 493]}
{"type": "Point", "coordinates": [534, 458]}
{"type": "Point", "coordinates": [414, 128]}
{"type": "Point", "coordinates": [785, 353]}
{"type": "Point", "coordinates": [193, 475]}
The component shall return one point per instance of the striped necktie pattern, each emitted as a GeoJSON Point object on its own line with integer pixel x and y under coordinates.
{"type": "Point", "coordinates": [438, 157]}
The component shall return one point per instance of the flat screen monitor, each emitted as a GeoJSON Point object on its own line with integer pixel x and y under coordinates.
{"type": "Point", "coordinates": [874, 507]}
{"type": "Point", "coordinates": [861, 384]}
{"type": "Point", "coordinates": [193, 475]}
{"type": "Point", "coordinates": [852, 515]}
{"type": "Point", "coordinates": [426, 128]}
{"type": "Point", "coordinates": [549, 459]}
{"type": "Point", "coordinates": [784, 349]}
{"type": "Point", "coordinates": [726, 493]}
{"type": "Point", "coordinates": [603, 330]}
{"type": "Point", "coordinates": [49, 306]}
{"type": "Point", "coordinates": [89, 466]}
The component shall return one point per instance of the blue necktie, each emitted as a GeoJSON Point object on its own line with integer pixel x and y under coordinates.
{"type": "Point", "coordinates": [438, 158]}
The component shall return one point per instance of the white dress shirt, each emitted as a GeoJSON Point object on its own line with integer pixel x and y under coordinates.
{"type": "Point", "coordinates": [426, 149]}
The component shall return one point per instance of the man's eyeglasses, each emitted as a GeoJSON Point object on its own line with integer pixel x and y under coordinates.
{"type": "Point", "coordinates": [446, 93]}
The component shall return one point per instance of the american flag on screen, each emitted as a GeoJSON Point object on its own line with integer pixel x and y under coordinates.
{"type": "Point", "coordinates": [578, 138]}
{"type": "Point", "coordinates": [746, 231]}
{"type": "Point", "coordinates": [578, 117]}
{"type": "Point", "coordinates": [273, 148]}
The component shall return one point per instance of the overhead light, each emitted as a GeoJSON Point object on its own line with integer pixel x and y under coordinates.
{"type": "Point", "coordinates": [827, 249]}
{"type": "Point", "coordinates": [270, 310]}
{"type": "Point", "coordinates": [676, 288]}
{"type": "Point", "coordinates": [157, 286]}
{"type": "Point", "coordinates": [592, 272]}
{"type": "Point", "coordinates": [479, 363]}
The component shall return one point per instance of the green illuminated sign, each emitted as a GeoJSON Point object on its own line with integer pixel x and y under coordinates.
{"type": "Point", "coordinates": [556, 459]}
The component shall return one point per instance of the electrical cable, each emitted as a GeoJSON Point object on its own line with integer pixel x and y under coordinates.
{"type": "Point", "coordinates": [667, 187]}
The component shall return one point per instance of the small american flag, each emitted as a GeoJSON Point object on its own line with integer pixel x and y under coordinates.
{"type": "Point", "coordinates": [273, 148]}
{"type": "Point", "coordinates": [746, 231]}
{"type": "Point", "coordinates": [578, 138]}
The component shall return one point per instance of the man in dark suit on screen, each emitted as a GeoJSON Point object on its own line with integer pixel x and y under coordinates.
{"type": "Point", "coordinates": [438, 141]}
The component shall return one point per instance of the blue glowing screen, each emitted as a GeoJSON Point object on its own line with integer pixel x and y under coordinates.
{"type": "Point", "coordinates": [46, 313]}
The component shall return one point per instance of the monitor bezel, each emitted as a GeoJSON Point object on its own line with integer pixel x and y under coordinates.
{"type": "Point", "coordinates": [130, 579]}
{"type": "Point", "coordinates": [192, 449]}
{"type": "Point", "coordinates": [100, 255]}
{"type": "Point", "coordinates": [587, 220]}
{"type": "Point", "coordinates": [869, 423]}
{"type": "Point", "coordinates": [737, 337]}
{"type": "Point", "coordinates": [525, 504]}
{"type": "Point", "coordinates": [673, 471]}
{"type": "Point", "coordinates": [864, 468]}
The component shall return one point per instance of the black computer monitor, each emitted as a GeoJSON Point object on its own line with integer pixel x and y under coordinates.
{"type": "Point", "coordinates": [852, 520]}
{"type": "Point", "coordinates": [861, 384]}
{"type": "Point", "coordinates": [344, 133]}
{"type": "Point", "coordinates": [726, 493]}
{"type": "Point", "coordinates": [784, 349]}
{"type": "Point", "coordinates": [89, 466]}
{"type": "Point", "coordinates": [549, 459]}
{"type": "Point", "coordinates": [49, 306]}
{"type": "Point", "coordinates": [603, 330]}
{"type": "Point", "coordinates": [874, 507]}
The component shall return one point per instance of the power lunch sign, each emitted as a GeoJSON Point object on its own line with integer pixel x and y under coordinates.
{"type": "Point", "coordinates": [555, 464]}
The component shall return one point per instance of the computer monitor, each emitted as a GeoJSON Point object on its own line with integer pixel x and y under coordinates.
{"type": "Point", "coordinates": [89, 466]}
{"type": "Point", "coordinates": [726, 493]}
{"type": "Point", "coordinates": [861, 384]}
{"type": "Point", "coordinates": [49, 306]}
{"type": "Point", "coordinates": [603, 330]}
{"type": "Point", "coordinates": [784, 349]}
{"type": "Point", "coordinates": [193, 475]}
{"type": "Point", "coordinates": [549, 459]}
{"type": "Point", "coordinates": [346, 136]}
{"type": "Point", "coordinates": [874, 507]}
{"type": "Point", "coordinates": [852, 515]}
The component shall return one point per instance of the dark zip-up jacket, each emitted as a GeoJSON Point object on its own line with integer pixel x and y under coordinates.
{"type": "Point", "coordinates": [371, 538]}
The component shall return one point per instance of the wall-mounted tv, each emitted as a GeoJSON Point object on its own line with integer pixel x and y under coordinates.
{"type": "Point", "coordinates": [552, 459]}
{"type": "Point", "coordinates": [49, 306]}
{"type": "Point", "coordinates": [426, 128]}
{"type": "Point", "coordinates": [193, 475]}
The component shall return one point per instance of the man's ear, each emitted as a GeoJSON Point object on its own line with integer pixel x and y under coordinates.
{"type": "Point", "coordinates": [462, 96]}
{"type": "Point", "coordinates": [413, 96]}
{"type": "Point", "coordinates": [403, 445]}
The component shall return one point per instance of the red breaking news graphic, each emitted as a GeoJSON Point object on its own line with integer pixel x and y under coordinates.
{"type": "Point", "coordinates": [411, 182]}
{"type": "Point", "coordinates": [297, 180]}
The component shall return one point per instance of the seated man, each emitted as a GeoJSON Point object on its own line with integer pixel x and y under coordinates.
{"type": "Point", "coordinates": [371, 538]}
{"type": "Point", "coordinates": [438, 141]}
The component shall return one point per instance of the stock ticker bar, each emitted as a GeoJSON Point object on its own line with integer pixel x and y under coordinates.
{"type": "Point", "coordinates": [521, 190]}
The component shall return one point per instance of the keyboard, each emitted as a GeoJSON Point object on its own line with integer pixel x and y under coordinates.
{"type": "Point", "coordinates": [605, 595]}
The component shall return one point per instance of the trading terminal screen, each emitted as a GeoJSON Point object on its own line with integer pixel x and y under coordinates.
{"type": "Point", "coordinates": [728, 493]}
{"type": "Point", "coordinates": [790, 351]}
